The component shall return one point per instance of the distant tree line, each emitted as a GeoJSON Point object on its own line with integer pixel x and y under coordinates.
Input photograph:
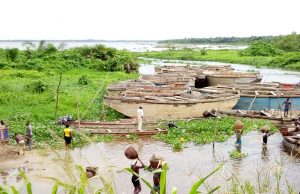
{"type": "Point", "coordinates": [217, 40]}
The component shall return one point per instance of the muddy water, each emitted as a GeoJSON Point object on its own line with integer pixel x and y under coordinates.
{"type": "Point", "coordinates": [269, 74]}
{"type": "Point", "coordinates": [185, 167]}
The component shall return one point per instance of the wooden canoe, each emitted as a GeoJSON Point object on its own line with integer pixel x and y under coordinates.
{"type": "Point", "coordinates": [120, 133]}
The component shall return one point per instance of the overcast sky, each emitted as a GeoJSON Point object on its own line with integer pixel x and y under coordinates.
{"type": "Point", "coordinates": [146, 19]}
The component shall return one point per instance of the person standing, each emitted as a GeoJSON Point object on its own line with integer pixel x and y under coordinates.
{"type": "Point", "coordinates": [135, 179]}
{"type": "Point", "coordinates": [140, 117]}
{"type": "Point", "coordinates": [29, 135]}
{"type": "Point", "coordinates": [2, 126]}
{"type": "Point", "coordinates": [287, 105]}
{"type": "Point", "coordinates": [67, 136]}
{"type": "Point", "coordinates": [265, 137]}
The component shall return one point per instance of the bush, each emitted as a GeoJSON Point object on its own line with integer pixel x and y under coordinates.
{"type": "Point", "coordinates": [83, 80]}
{"type": "Point", "coordinates": [12, 54]}
{"type": "Point", "coordinates": [260, 48]}
{"type": "Point", "coordinates": [37, 87]}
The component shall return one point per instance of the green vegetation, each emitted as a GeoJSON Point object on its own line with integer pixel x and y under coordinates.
{"type": "Point", "coordinates": [30, 95]}
{"type": "Point", "coordinates": [287, 60]}
{"type": "Point", "coordinates": [206, 131]}
{"type": "Point", "coordinates": [279, 52]}
{"type": "Point", "coordinates": [235, 154]}
{"type": "Point", "coordinates": [46, 57]}
{"type": "Point", "coordinates": [217, 40]}
{"type": "Point", "coordinates": [35, 79]}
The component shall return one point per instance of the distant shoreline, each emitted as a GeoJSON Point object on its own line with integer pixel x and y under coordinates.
{"type": "Point", "coordinates": [87, 40]}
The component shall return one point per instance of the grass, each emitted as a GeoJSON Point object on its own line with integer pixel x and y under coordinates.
{"type": "Point", "coordinates": [20, 101]}
{"type": "Point", "coordinates": [206, 131]}
{"type": "Point", "coordinates": [286, 61]}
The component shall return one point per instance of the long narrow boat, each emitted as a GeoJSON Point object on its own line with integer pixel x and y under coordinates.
{"type": "Point", "coordinates": [259, 96]}
{"type": "Point", "coordinates": [231, 77]}
{"type": "Point", "coordinates": [291, 140]}
{"type": "Point", "coordinates": [123, 133]}
{"type": "Point", "coordinates": [176, 106]}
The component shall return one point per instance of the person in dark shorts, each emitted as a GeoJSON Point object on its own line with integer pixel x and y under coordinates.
{"type": "Point", "coordinates": [135, 179]}
{"type": "Point", "coordinates": [67, 136]}
{"type": "Point", "coordinates": [287, 106]}
{"type": "Point", "coordinates": [265, 137]}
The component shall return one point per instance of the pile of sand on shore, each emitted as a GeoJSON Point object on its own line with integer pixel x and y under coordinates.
{"type": "Point", "coordinates": [8, 152]}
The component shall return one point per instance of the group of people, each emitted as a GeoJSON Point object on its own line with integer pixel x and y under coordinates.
{"type": "Point", "coordinates": [155, 163]}
{"type": "Point", "coordinates": [20, 139]}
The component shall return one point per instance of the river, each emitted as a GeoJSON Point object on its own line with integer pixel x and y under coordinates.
{"type": "Point", "coordinates": [269, 74]}
{"type": "Point", "coordinates": [135, 46]}
{"type": "Point", "coordinates": [185, 167]}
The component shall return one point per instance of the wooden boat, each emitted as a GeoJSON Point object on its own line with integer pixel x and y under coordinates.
{"type": "Point", "coordinates": [176, 106]}
{"type": "Point", "coordinates": [259, 96]}
{"type": "Point", "coordinates": [291, 140]}
{"type": "Point", "coordinates": [231, 77]}
{"type": "Point", "coordinates": [124, 133]}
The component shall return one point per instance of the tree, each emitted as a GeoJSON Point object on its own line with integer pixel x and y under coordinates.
{"type": "Point", "coordinates": [12, 54]}
{"type": "Point", "coordinates": [260, 48]}
{"type": "Point", "coordinates": [289, 43]}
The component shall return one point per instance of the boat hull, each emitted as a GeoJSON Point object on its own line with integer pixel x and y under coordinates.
{"type": "Point", "coordinates": [291, 146]}
{"type": "Point", "coordinates": [215, 80]}
{"type": "Point", "coordinates": [156, 111]}
{"type": "Point", "coordinates": [261, 103]}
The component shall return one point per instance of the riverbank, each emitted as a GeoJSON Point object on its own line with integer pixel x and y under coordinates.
{"type": "Point", "coordinates": [29, 95]}
{"type": "Point", "coordinates": [289, 60]}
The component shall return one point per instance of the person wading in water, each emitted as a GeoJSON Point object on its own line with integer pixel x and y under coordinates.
{"type": "Point", "coordinates": [135, 179]}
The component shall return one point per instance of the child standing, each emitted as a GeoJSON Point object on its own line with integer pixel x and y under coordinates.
{"type": "Point", "coordinates": [135, 179]}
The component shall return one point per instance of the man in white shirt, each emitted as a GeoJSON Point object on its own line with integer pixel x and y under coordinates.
{"type": "Point", "coordinates": [140, 117]}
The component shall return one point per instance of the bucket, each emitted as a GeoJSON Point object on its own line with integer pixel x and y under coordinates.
{"type": "Point", "coordinates": [131, 153]}
{"type": "Point", "coordinates": [284, 131]}
{"type": "Point", "coordinates": [265, 128]}
{"type": "Point", "coordinates": [238, 125]}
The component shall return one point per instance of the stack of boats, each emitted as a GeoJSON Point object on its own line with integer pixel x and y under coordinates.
{"type": "Point", "coordinates": [164, 95]}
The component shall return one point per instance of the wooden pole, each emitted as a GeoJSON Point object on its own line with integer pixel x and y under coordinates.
{"type": "Point", "coordinates": [57, 96]}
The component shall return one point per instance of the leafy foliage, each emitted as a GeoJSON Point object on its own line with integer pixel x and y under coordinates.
{"type": "Point", "coordinates": [206, 131]}
{"type": "Point", "coordinates": [260, 48]}
{"type": "Point", "coordinates": [46, 57]}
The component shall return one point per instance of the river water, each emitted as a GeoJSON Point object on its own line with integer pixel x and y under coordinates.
{"type": "Point", "coordinates": [269, 74]}
{"type": "Point", "coordinates": [136, 46]}
{"type": "Point", "coordinates": [185, 167]}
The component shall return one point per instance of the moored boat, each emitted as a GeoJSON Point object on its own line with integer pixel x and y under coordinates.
{"type": "Point", "coordinates": [291, 140]}
{"type": "Point", "coordinates": [259, 96]}
{"type": "Point", "coordinates": [176, 106]}
{"type": "Point", "coordinates": [231, 77]}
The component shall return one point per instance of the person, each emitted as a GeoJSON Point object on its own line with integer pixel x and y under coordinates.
{"type": "Point", "coordinates": [140, 117]}
{"type": "Point", "coordinates": [135, 179]}
{"type": "Point", "coordinates": [155, 163]}
{"type": "Point", "coordinates": [238, 134]}
{"type": "Point", "coordinates": [67, 136]}
{"type": "Point", "coordinates": [29, 135]}
{"type": "Point", "coordinates": [188, 88]}
{"type": "Point", "coordinates": [287, 105]}
{"type": "Point", "coordinates": [265, 137]}
{"type": "Point", "coordinates": [6, 134]}
{"type": "Point", "coordinates": [297, 124]}
{"type": "Point", "coordinates": [20, 141]}
{"type": "Point", "coordinates": [1, 131]}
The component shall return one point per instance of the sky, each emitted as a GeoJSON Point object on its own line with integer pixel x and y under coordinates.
{"type": "Point", "coordinates": [145, 19]}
